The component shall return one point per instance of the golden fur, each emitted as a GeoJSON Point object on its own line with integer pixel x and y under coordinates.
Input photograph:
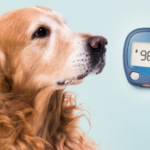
{"type": "Point", "coordinates": [36, 114]}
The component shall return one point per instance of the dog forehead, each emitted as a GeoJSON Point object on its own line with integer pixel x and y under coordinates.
{"type": "Point", "coordinates": [32, 14]}
{"type": "Point", "coordinates": [55, 15]}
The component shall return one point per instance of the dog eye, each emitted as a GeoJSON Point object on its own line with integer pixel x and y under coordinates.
{"type": "Point", "coordinates": [41, 32]}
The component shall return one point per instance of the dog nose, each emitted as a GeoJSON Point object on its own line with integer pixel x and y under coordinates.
{"type": "Point", "coordinates": [97, 44]}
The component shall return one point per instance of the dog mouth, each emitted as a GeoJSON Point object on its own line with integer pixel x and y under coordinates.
{"type": "Point", "coordinates": [73, 80]}
{"type": "Point", "coordinates": [97, 69]}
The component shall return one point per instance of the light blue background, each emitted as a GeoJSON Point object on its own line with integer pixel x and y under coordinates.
{"type": "Point", "coordinates": [120, 113]}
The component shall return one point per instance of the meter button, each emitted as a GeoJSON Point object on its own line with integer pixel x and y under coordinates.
{"type": "Point", "coordinates": [134, 75]}
{"type": "Point", "coordinates": [145, 85]}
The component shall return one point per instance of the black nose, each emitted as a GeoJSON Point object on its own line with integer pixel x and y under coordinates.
{"type": "Point", "coordinates": [97, 44]}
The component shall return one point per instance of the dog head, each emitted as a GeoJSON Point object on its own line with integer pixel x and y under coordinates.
{"type": "Point", "coordinates": [38, 49]}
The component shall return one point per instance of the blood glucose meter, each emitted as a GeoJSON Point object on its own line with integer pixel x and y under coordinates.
{"type": "Point", "coordinates": [136, 57]}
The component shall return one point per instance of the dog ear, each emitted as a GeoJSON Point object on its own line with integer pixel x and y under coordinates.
{"type": "Point", "coordinates": [4, 85]}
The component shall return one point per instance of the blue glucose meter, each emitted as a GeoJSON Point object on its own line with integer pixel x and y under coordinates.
{"type": "Point", "coordinates": [136, 57]}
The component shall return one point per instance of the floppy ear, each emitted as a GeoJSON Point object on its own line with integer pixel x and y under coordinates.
{"type": "Point", "coordinates": [4, 85]}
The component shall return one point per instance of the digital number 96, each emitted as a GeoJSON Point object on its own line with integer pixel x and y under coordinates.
{"type": "Point", "coordinates": [146, 55]}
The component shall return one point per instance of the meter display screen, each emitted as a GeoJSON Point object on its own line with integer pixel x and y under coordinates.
{"type": "Point", "coordinates": [140, 54]}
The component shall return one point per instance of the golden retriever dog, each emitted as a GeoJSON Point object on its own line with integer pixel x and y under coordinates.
{"type": "Point", "coordinates": [39, 57]}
